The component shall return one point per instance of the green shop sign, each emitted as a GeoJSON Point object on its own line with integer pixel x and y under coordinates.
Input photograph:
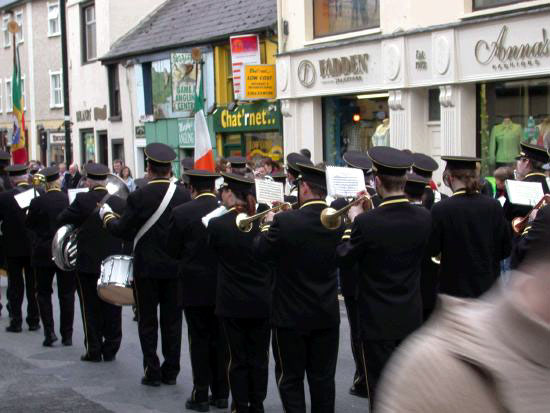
{"type": "Point", "coordinates": [251, 117]}
{"type": "Point", "coordinates": [186, 132]}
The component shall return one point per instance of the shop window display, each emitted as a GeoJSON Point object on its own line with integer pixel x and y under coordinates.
{"type": "Point", "coordinates": [509, 113]}
{"type": "Point", "coordinates": [341, 16]}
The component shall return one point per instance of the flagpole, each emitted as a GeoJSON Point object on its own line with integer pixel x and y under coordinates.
{"type": "Point", "coordinates": [66, 101]}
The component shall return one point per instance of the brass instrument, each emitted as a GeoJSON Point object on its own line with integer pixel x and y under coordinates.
{"type": "Point", "coordinates": [332, 218]}
{"type": "Point", "coordinates": [244, 222]}
{"type": "Point", "coordinates": [519, 224]}
{"type": "Point", "coordinates": [38, 180]}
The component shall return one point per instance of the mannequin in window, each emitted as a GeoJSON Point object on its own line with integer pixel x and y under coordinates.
{"type": "Point", "coordinates": [381, 136]}
{"type": "Point", "coordinates": [504, 143]}
{"type": "Point", "coordinates": [544, 133]}
{"type": "Point", "coordinates": [531, 131]}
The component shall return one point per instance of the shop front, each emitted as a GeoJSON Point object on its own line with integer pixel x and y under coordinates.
{"type": "Point", "coordinates": [56, 147]}
{"type": "Point", "coordinates": [253, 130]}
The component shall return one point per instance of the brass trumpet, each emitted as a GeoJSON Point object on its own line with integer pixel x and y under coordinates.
{"type": "Point", "coordinates": [519, 224]}
{"type": "Point", "coordinates": [38, 179]}
{"type": "Point", "coordinates": [332, 218]}
{"type": "Point", "coordinates": [245, 222]}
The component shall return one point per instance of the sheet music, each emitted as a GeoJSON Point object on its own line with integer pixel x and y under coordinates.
{"type": "Point", "coordinates": [72, 193]}
{"type": "Point", "coordinates": [24, 198]}
{"type": "Point", "coordinates": [344, 182]}
{"type": "Point", "coordinates": [524, 193]}
{"type": "Point", "coordinates": [268, 191]}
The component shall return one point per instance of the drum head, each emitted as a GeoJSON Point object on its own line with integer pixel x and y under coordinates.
{"type": "Point", "coordinates": [116, 295]}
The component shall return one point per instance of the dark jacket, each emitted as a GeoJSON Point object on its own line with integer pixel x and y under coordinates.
{"type": "Point", "coordinates": [305, 296]}
{"type": "Point", "coordinates": [42, 221]}
{"type": "Point", "coordinates": [244, 280]}
{"type": "Point", "coordinates": [151, 259]}
{"type": "Point", "coordinates": [94, 243]}
{"type": "Point", "coordinates": [428, 200]}
{"type": "Point", "coordinates": [17, 239]}
{"type": "Point", "coordinates": [187, 242]}
{"type": "Point", "coordinates": [512, 211]}
{"type": "Point", "coordinates": [534, 240]}
{"type": "Point", "coordinates": [389, 243]}
{"type": "Point", "coordinates": [472, 236]}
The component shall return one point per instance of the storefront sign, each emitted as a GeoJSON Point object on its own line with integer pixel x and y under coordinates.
{"type": "Point", "coordinates": [261, 116]}
{"type": "Point", "coordinates": [184, 76]}
{"type": "Point", "coordinates": [57, 138]}
{"type": "Point", "coordinates": [260, 82]}
{"type": "Point", "coordinates": [186, 132]}
{"type": "Point", "coordinates": [245, 50]}
{"type": "Point", "coordinates": [344, 69]}
{"type": "Point", "coordinates": [84, 115]}
{"type": "Point", "coordinates": [421, 61]}
{"type": "Point", "coordinates": [504, 56]}
{"type": "Point", "coordinates": [140, 132]}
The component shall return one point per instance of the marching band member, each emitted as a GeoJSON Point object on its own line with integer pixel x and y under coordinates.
{"type": "Point", "coordinates": [469, 231]}
{"type": "Point", "coordinates": [389, 243]}
{"type": "Point", "coordinates": [243, 296]}
{"type": "Point", "coordinates": [42, 221]}
{"type": "Point", "coordinates": [102, 321]}
{"type": "Point", "coordinates": [17, 248]}
{"type": "Point", "coordinates": [237, 165]}
{"type": "Point", "coordinates": [425, 166]}
{"type": "Point", "coordinates": [156, 281]}
{"type": "Point", "coordinates": [293, 172]}
{"type": "Point", "coordinates": [187, 242]}
{"type": "Point", "coordinates": [306, 315]}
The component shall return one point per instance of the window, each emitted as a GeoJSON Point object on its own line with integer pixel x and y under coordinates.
{"type": "Point", "coordinates": [1, 97]}
{"type": "Point", "coordinates": [114, 91]}
{"type": "Point", "coordinates": [56, 90]}
{"type": "Point", "coordinates": [9, 99]}
{"type": "Point", "coordinates": [19, 20]}
{"type": "Point", "coordinates": [332, 17]}
{"type": "Point", "coordinates": [487, 4]}
{"type": "Point", "coordinates": [87, 146]}
{"type": "Point", "coordinates": [89, 33]}
{"type": "Point", "coordinates": [54, 26]}
{"type": "Point", "coordinates": [434, 107]}
{"type": "Point", "coordinates": [7, 34]}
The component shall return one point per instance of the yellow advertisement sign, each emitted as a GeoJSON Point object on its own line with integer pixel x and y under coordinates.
{"type": "Point", "coordinates": [260, 82]}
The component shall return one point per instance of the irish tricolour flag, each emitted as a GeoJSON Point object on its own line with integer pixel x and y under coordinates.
{"type": "Point", "coordinates": [204, 158]}
{"type": "Point", "coordinates": [18, 151]}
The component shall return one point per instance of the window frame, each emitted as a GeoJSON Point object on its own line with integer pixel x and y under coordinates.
{"type": "Point", "coordinates": [58, 19]}
{"type": "Point", "coordinates": [340, 33]}
{"type": "Point", "coordinates": [5, 21]}
{"type": "Point", "coordinates": [115, 103]}
{"type": "Point", "coordinates": [507, 3]}
{"type": "Point", "coordinates": [20, 34]}
{"type": "Point", "coordinates": [9, 95]}
{"type": "Point", "coordinates": [83, 33]}
{"type": "Point", "coordinates": [54, 105]}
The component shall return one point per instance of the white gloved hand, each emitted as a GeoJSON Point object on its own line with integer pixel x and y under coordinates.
{"type": "Point", "coordinates": [104, 210]}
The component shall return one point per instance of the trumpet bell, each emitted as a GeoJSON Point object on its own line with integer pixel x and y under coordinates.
{"type": "Point", "coordinates": [244, 223]}
{"type": "Point", "coordinates": [331, 219]}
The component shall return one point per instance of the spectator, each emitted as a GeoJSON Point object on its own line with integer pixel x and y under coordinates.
{"type": "Point", "coordinates": [501, 175]}
{"type": "Point", "coordinates": [126, 176]}
{"type": "Point", "coordinates": [117, 167]}
{"type": "Point", "coordinates": [62, 173]}
{"type": "Point", "coordinates": [72, 179]}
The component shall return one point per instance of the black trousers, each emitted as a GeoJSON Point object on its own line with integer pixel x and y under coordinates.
{"type": "Point", "coordinates": [21, 280]}
{"type": "Point", "coordinates": [66, 286]}
{"type": "Point", "coordinates": [313, 353]}
{"type": "Point", "coordinates": [102, 321]}
{"type": "Point", "coordinates": [247, 369]}
{"type": "Point", "coordinates": [207, 350]}
{"type": "Point", "coordinates": [376, 354]}
{"type": "Point", "coordinates": [150, 294]}
{"type": "Point", "coordinates": [359, 379]}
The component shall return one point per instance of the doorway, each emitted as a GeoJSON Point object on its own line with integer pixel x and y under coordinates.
{"type": "Point", "coordinates": [103, 148]}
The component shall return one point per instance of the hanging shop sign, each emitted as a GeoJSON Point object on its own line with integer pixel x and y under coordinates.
{"type": "Point", "coordinates": [186, 132]}
{"type": "Point", "coordinates": [253, 117]}
{"type": "Point", "coordinates": [245, 50]}
{"type": "Point", "coordinates": [57, 138]}
{"type": "Point", "coordinates": [184, 76]}
{"type": "Point", "coordinates": [260, 82]}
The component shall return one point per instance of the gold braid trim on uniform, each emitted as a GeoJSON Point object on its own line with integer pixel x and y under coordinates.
{"type": "Point", "coordinates": [346, 237]}
{"type": "Point", "coordinates": [535, 174]}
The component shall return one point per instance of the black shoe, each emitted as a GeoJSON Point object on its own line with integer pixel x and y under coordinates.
{"type": "Point", "coordinates": [91, 358]}
{"type": "Point", "coordinates": [197, 406]}
{"type": "Point", "coordinates": [67, 342]}
{"type": "Point", "coordinates": [49, 340]}
{"type": "Point", "coordinates": [359, 392]}
{"type": "Point", "coordinates": [12, 328]}
{"type": "Point", "coordinates": [34, 327]}
{"type": "Point", "coordinates": [109, 358]}
{"type": "Point", "coordinates": [147, 381]}
{"type": "Point", "coordinates": [219, 403]}
{"type": "Point", "coordinates": [168, 382]}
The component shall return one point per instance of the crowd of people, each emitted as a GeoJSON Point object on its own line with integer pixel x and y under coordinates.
{"type": "Point", "coordinates": [274, 280]}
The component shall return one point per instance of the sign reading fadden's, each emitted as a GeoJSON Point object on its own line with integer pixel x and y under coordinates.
{"type": "Point", "coordinates": [337, 70]}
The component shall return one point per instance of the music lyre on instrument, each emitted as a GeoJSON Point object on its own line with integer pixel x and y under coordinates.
{"type": "Point", "coordinates": [520, 223]}
{"type": "Point", "coordinates": [245, 222]}
{"type": "Point", "coordinates": [332, 218]}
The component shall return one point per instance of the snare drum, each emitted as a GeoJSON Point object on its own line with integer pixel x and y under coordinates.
{"type": "Point", "coordinates": [115, 282]}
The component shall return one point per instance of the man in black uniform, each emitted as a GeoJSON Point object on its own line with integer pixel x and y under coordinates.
{"type": "Point", "coordinates": [389, 243]}
{"type": "Point", "coordinates": [306, 315]}
{"type": "Point", "coordinates": [293, 171]}
{"type": "Point", "coordinates": [534, 238]}
{"type": "Point", "coordinates": [17, 248]}
{"type": "Point", "coordinates": [469, 231]}
{"type": "Point", "coordinates": [42, 221]}
{"type": "Point", "coordinates": [5, 185]}
{"type": "Point", "coordinates": [187, 242]}
{"type": "Point", "coordinates": [425, 166]}
{"type": "Point", "coordinates": [102, 321]}
{"type": "Point", "coordinates": [156, 280]}
{"type": "Point", "coordinates": [238, 165]}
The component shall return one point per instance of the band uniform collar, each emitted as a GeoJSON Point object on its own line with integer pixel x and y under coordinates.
{"type": "Point", "coordinates": [205, 194]}
{"type": "Point", "coordinates": [314, 202]}
{"type": "Point", "coordinates": [23, 184]}
{"type": "Point", "coordinates": [391, 200]}
{"type": "Point", "coordinates": [159, 181]}
{"type": "Point", "coordinates": [100, 188]}
{"type": "Point", "coordinates": [535, 174]}
{"type": "Point", "coordinates": [54, 190]}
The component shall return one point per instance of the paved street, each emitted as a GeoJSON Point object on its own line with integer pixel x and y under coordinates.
{"type": "Point", "coordinates": [38, 379]}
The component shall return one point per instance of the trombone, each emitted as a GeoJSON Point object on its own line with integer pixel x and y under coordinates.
{"type": "Point", "coordinates": [245, 223]}
{"type": "Point", "coordinates": [520, 223]}
{"type": "Point", "coordinates": [332, 218]}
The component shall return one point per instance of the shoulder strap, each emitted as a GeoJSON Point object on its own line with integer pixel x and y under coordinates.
{"type": "Point", "coordinates": [158, 213]}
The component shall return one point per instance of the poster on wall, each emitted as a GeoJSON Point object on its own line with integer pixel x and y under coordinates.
{"type": "Point", "coordinates": [161, 79]}
{"type": "Point", "coordinates": [245, 50]}
{"type": "Point", "coordinates": [184, 76]}
{"type": "Point", "coordinates": [260, 82]}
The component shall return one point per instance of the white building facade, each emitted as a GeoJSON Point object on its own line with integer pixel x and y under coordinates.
{"type": "Point", "coordinates": [441, 77]}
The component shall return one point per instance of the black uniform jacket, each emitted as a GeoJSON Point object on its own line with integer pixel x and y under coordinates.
{"type": "Point", "coordinates": [244, 280]}
{"type": "Point", "coordinates": [17, 239]}
{"type": "Point", "coordinates": [512, 210]}
{"type": "Point", "coordinates": [428, 200]}
{"type": "Point", "coordinates": [305, 296]}
{"type": "Point", "coordinates": [472, 236]}
{"type": "Point", "coordinates": [534, 240]}
{"type": "Point", "coordinates": [42, 221]}
{"type": "Point", "coordinates": [94, 243]}
{"type": "Point", "coordinates": [389, 243]}
{"type": "Point", "coordinates": [188, 243]}
{"type": "Point", "coordinates": [151, 258]}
